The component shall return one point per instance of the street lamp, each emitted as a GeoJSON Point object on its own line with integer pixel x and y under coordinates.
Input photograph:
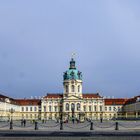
{"type": "Point", "coordinates": [72, 109]}
{"type": "Point", "coordinates": [115, 114]}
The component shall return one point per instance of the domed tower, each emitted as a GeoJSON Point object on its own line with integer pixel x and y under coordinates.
{"type": "Point", "coordinates": [72, 81]}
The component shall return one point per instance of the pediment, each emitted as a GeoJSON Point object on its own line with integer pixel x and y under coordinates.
{"type": "Point", "coordinates": [72, 97]}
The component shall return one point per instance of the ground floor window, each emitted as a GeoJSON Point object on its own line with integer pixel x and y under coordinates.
{"type": "Point", "coordinates": [50, 116]}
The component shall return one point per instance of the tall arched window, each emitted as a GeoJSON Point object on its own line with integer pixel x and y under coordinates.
{"type": "Point", "coordinates": [78, 107]}
{"type": "Point", "coordinates": [79, 88]}
{"type": "Point", "coordinates": [72, 107]}
{"type": "Point", "coordinates": [50, 108]}
{"type": "Point", "coordinates": [67, 107]}
{"type": "Point", "coordinates": [67, 89]}
{"type": "Point", "coordinates": [73, 88]}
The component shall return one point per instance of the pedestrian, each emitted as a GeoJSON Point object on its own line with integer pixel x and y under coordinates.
{"type": "Point", "coordinates": [24, 122]}
{"type": "Point", "coordinates": [73, 120]}
{"type": "Point", "coordinates": [101, 120]}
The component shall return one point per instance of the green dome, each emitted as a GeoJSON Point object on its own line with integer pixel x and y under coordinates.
{"type": "Point", "coordinates": [72, 73]}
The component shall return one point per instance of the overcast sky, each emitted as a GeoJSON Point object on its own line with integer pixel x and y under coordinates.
{"type": "Point", "coordinates": [37, 38]}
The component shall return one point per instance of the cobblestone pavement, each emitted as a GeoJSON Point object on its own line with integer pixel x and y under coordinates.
{"type": "Point", "coordinates": [52, 135]}
{"type": "Point", "coordinates": [72, 138]}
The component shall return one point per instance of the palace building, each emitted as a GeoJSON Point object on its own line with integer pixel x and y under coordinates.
{"type": "Point", "coordinates": [72, 103]}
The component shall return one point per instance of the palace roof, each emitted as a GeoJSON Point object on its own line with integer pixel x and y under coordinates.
{"type": "Point", "coordinates": [28, 101]}
{"type": "Point", "coordinates": [91, 95]}
{"type": "Point", "coordinates": [133, 100]}
{"type": "Point", "coordinates": [117, 101]}
{"type": "Point", "coordinates": [55, 95]}
{"type": "Point", "coordinates": [4, 97]}
{"type": "Point", "coordinates": [60, 95]}
{"type": "Point", "coordinates": [7, 99]}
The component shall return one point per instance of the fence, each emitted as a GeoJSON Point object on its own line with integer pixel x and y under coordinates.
{"type": "Point", "coordinates": [53, 125]}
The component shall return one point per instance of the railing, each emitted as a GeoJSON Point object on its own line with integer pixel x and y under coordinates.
{"type": "Point", "coordinates": [69, 126]}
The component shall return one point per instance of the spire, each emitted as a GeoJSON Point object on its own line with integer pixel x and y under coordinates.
{"type": "Point", "coordinates": [72, 62]}
{"type": "Point", "coordinates": [72, 72]}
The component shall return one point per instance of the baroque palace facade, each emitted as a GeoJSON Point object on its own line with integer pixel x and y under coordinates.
{"type": "Point", "coordinates": [72, 103]}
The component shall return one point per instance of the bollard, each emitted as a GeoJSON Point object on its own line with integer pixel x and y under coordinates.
{"type": "Point", "coordinates": [11, 125]}
{"type": "Point", "coordinates": [61, 125]}
{"type": "Point", "coordinates": [91, 126]}
{"type": "Point", "coordinates": [116, 126]}
{"type": "Point", "coordinates": [36, 125]}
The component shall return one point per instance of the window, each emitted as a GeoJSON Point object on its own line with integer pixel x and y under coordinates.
{"type": "Point", "coordinates": [35, 109]}
{"type": "Point", "coordinates": [61, 109]}
{"type": "Point", "coordinates": [45, 116]}
{"type": "Point", "coordinates": [72, 107]}
{"type": "Point", "coordinates": [78, 107]}
{"type": "Point", "coordinates": [84, 108]}
{"type": "Point", "coordinates": [110, 108]}
{"type": "Point", "coordinates": [22, 109]}
{"type": "Point", "coordinates": [101, 108]}
{"type": "Point", "coordinates": [26, 108]}
{"type": "Point", "coordinates": [50, 116]}
{"type": "Point", "coordinates": [55, 108]}
{"type": "Point", "coordinates": [44, 108]}
{"type": "Point", "coordinates": [95, 108]}
{"type": "Point", "coordinates": [114, 108]}
{"type": "Point", "coordinates": [67, 107]}
{"type": "Point", "coordinates": [30, 108]}
{"type": "Point", "coordinates": [79, 88]}
{"type": "Point", "coordinates": [67, 90]}
{"type": "Point", "coordinates": [31, 116]}
{"type": "Point", "coordinates": [50, 108]}
{"type": "Point", "coordinates": [26, 116]}
{"type": "Point", "coordinates": [89, 108]}
{"type": "Point", "coordinates": [119, 109]}
{"type": "Point", "coordinates": [72, 88]}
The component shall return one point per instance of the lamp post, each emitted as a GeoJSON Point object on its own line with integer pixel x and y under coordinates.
{"type": "Point", "coordinates": [11, 117]}
{"type": "Point", "coordinates": [72, 109]}
{"type": "Point", "coordinates": [115, 114]}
